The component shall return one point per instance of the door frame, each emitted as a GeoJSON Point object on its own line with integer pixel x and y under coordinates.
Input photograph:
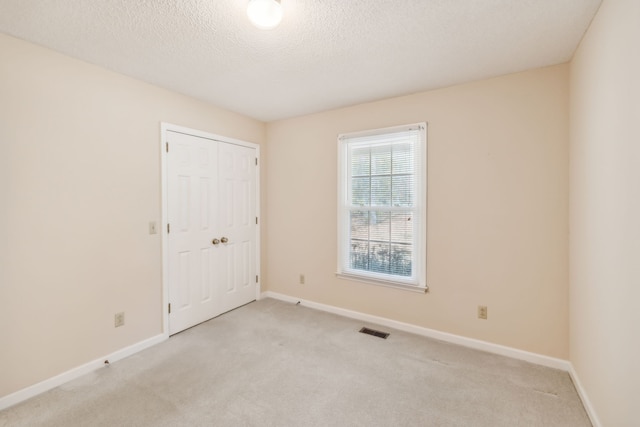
{"type": "Point", "coordinates": [164, 129]}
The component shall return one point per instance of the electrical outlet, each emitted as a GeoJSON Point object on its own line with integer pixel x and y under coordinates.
{"type": "Point", "coordinates": [302, 279]}
{"type": "Point", "coordinates": [482, 312]}
{"type": "Point", "coordinates": [119, 319]}
{"type": "Point", "coordinates": [153, 229]}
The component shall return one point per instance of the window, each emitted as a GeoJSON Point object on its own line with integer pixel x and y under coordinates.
{"type": "Point", "coordinates": [382, 206]}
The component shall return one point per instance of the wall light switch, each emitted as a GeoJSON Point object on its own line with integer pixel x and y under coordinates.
{"type": "Point", "coordinates": [482, 312]}
{"type": "Point", "coordinates": [153, 229]}
{"type": "Point", "coordinates": [119, 319]}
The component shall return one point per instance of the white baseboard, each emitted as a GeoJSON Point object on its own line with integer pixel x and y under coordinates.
{"type": "Point", "coordinates": [538, 359]}
{"type": "Point", "coordinates": [595, 421]}
{"type": "Point", "coordinates": [41, 387]}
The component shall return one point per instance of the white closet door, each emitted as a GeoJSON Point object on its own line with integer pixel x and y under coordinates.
{"type": "Point", "coordinates": [212, 236]}
{"type": "Point", "coordinates": [237, 180]}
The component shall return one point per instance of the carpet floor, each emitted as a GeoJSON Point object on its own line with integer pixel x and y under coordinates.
{"type": "Point", "coordinates": [272, 363]}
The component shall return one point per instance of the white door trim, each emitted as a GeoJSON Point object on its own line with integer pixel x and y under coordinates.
{"type": "Point", "coordinates": [164, 128]}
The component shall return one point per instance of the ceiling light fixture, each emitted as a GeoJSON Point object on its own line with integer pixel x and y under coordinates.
{"type": "Point", "coordinates": [265, 14]}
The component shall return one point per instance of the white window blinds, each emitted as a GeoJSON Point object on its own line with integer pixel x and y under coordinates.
{"type": "Point", "coordinates": [382, 205]}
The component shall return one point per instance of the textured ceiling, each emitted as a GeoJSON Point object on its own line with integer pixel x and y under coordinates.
{"type": "Point", "coordinates": [325, 54]}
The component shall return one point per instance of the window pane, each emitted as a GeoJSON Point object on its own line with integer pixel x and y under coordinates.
{"type": "Point", "coordinates": [402, 190]}
{"type": "Point", "coordinates": [360, 225]}
{"type": "Point", "coordinates": [359, 255]}
{"type": "Point", "coordinates": [381, 160]}
{"type": "Point", "coordinates": [380, 228]}
{"type": "Point", "coordinates": [360, 161]}
{"type": "Point", "coordinates": [402, 227]}
{"type": "Point", "coordinates": [379, 257]}
{"type": "Point", "coordinates": [380, 191]}
{"type": "Point", "coordinates": [403, 158]}
{"type": "Point", "coordinates": [401, 260]}
{"type": "Point", "coordinates": [360, 191]}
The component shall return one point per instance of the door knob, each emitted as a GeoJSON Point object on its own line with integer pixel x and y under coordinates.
{"type": "Point", "coordinates": [224, 240]}
{"type": "Point", "coordinates": [215, 241]}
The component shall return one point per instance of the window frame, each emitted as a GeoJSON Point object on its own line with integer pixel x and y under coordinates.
{"type": "Point", "coordinates": [417, 282]}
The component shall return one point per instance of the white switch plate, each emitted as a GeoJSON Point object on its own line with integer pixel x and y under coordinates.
{"type": "Point", "coordinates": [119, 319]}
{"type": "Point", "coordinates": [152, 227]}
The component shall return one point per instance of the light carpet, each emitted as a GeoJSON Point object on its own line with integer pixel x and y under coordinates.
{"type": "Point", "coordinates": [272, 363]}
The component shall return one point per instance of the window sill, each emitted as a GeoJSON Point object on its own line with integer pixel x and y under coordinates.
{"type": "Point", "coordinates": [385, 283]}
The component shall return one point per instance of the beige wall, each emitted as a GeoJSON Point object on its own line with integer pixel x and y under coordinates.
{"type": "Point", "coordinates": [80, 180]}
{"type": "Point", "coordinates": [498, 209]}
{"type": "Point", "coordinates": [605, 213]}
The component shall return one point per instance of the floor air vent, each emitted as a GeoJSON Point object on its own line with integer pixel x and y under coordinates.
{"type": "Point", "coordinates": [375, 333]}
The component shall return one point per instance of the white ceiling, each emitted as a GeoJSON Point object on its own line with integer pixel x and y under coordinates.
{"type": "Point", "coordinates": [325, 54]}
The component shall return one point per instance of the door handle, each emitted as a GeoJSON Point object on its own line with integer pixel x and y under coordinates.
{"type": "Point", "coordinates": [224, 240]}
{"type": "Point", "coordinates": [215, 241]}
